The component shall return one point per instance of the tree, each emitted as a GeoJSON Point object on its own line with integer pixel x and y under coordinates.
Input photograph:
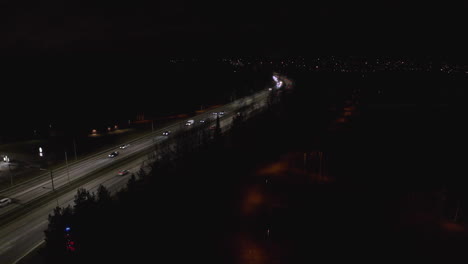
{"type": "Point", "coordinates": [84, 200]}
{"type": "Point", "coordinates": [103, 196]}
{"type": "Point", "coordinates": [56, 246]}
{"type": "Point", "coordinates": [132, 183]}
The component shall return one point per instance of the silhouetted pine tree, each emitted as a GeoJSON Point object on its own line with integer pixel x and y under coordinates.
{"type": "Point", "coordinates": [55, 249]}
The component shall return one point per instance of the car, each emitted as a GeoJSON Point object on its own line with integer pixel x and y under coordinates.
{"type": "Point", "coordinates": [123, 172]}
{"type": "Point", "coordinates": [166, 133]}
{"type": "Point", "coordinates": [5, 202]}
{"type": "Point", "coordinates": [125, 146]}
{"type": "Point", "coordinates": [202, 121]}
{"type": "Point", "coordinates": [113, 154]}
{"type": "Point", "coordinates": [189, 122]}
{"type": "Point", "coordinates": [221, 113]}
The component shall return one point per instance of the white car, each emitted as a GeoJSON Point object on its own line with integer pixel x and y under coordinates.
{"type": "Point", "coordinates": [189, 122]}
{"type": "Point", "coordinates": [5, 202]}
{"type": "Point", "coordinates": [125, 146]}
{"type": "Point", "coordinates": [113, 154]}
{"type": "Point", "coordinates": [166, 133]}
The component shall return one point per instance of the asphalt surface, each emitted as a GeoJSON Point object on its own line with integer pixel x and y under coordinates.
{"type": "Point", "coordinates": [25, 233]}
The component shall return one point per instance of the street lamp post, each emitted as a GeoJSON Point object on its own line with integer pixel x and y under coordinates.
{"type": "Point", "coordinates": [52, 180]}
{"type": "Point", "coordinates": [53, 186]}
{"type": "Point", "coordinates": [51, 177]}
{"type": "Point", "coordinates": [11, 174]}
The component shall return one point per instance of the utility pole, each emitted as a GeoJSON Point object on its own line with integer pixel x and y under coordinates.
{"type": "Point", "coordinates": [11, 174]}
{"type": "Point", "coordinates": [52, 179]}
{"type": "Point", "coordinates": [68, 171]}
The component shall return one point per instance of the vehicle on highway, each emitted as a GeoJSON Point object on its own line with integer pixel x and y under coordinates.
{"type": "Point", "coordinates": [221, 113]}
{"type": "Point", "coordinates": [189, 122]}
{"type": "Point", "coordinates": [123, 172]}
{"type": "Point", "coordinates": [166, 133]}
{"type": "Point", "coordinates": [113, 154]}
{"type": "Point", "coordinates": [202, 121]}
{"type": "Point", "coordinates": [125, 146]}
{"type": "Point", "coordinates": [5, 202]}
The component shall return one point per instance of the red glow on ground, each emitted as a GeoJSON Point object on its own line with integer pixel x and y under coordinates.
{"type": "Point", "coordinates": [452, 227]}
{"type": "Point", "coordinates": [274, 168]}
{"type": "Point", "coordinates": [250, 251]}
{"type": "Point", "coordinates": [252, 199]}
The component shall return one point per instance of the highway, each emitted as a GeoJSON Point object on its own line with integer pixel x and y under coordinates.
{"type": "Point", "coordinates": [24, 233]}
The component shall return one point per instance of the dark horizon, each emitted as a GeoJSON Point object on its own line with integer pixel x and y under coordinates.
{"type": "Point", "coordinates": [84, 91]}
{"type": "Point", "coordinates": [255, 28]}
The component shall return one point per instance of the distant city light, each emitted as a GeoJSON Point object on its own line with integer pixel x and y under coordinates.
{"type": "Point", "coordinates": [115, 127]}
{"type": "Point", "coordinates": [94, 131]}
{"type": "Point", "coordinates": [67, 228]}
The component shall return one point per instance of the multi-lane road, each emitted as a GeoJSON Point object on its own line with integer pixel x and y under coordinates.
{"type": "Point", "coordinates": [21, 234]}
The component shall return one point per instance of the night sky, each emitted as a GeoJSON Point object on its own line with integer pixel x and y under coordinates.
{"type": "Point", "coordinates": [72, 55]}
{"type": "Point", "coordinates": [145, 27]}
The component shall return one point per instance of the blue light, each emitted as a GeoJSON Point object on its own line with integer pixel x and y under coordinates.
{"type": "Point", "coordinates": [67, 228]}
